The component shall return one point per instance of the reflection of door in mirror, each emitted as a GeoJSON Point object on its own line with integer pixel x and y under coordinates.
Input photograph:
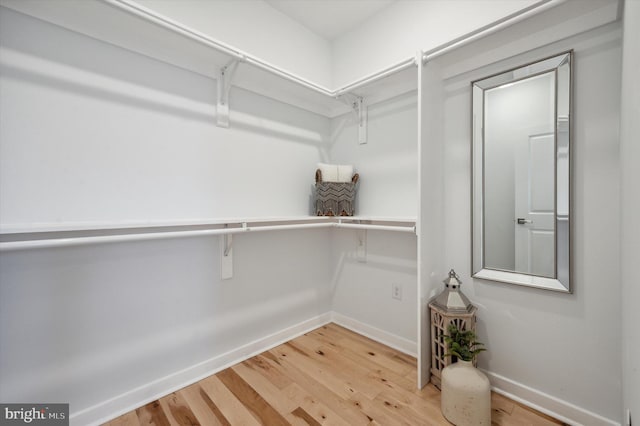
{"type": "Point", "coordinates": [519, 171]}
{"type": "Point", "coordinates": [535, 239]}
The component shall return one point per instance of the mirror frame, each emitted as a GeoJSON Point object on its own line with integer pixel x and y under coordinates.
{"type": "Point", "coordinates": [563, 181]}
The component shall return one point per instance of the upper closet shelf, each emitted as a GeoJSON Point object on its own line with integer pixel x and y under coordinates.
{"type": "Point", "coordinates": [129, 25]}
{"type": "Point", "coordinates": [126, 24]}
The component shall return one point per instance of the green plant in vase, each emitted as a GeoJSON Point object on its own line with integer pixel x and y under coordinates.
{"type": "Point", "coordinates": [462, 343]}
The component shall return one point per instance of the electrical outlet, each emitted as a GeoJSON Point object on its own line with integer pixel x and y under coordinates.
{"type": "Point", "coordinates": [396, 291]}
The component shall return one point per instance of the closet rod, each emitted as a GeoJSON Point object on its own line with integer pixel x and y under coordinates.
{"type": "Point", "coordinates": [150, 16]}
{"type": "Point", "coordinates": [491, 28]}
{"type": "Point", "coordinates": [80, 241]}
{"type": "Point", "coordinates": [375, 227]}
{"type": "Point", "coordinates": [101, 239]}
{"type": "Point", "coordinates": [444, 48]}
{"type": "Point", "coordinates": [372, 78]}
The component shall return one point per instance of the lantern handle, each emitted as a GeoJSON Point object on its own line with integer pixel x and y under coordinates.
{"type": "Point", "coordinates": [452, 280]}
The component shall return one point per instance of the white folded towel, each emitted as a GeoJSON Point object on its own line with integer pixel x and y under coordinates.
{"type": "Point", "coordinates": [345, 173]}
{"type": "Point", "coordinates": [336, 173]}
{"type": "Point", "coordinates": [329, 172]}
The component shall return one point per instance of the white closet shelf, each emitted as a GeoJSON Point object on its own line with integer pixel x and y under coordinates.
{"type": "Point", "coordinates": [134, 27]}
{"type": "Point", "coordinates": [126, 24]}
{"type": "Point", "coordinates": [125, 225]}
{"type": "Point", "coordinates": [22, 238]}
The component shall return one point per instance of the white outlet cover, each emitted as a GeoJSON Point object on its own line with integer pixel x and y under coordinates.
{"type": "Point", "coordinates": [396, 291]}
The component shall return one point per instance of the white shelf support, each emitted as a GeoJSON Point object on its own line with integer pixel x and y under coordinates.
{"type": "Point", "coordinates": [228, 244]}
{"type": "Point", "coordinates": [225, 75]}
{"type": "Point", "coordinates": [226, 257]}
{"type": "Point", "coordinates": [361, 248]}
{"type": "Point", "coordinates": [360, 110]}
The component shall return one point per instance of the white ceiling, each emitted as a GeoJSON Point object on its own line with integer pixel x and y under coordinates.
{"type": "Point", "coordinates": [329, 18]}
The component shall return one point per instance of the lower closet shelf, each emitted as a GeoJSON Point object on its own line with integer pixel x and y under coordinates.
{"type": "Point", "coordinates": [48, 238]}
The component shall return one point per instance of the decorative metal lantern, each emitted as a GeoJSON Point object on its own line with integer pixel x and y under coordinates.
{"type": "Point", "coordinates": [450, 306]}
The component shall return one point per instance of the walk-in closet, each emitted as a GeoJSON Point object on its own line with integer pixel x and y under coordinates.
{"type": "Point", "coordinates": [157, 216]}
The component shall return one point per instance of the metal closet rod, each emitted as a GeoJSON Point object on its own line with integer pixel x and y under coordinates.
{"type": "Point", "coordinates": [491, 28]}
{"type": "Point", "coordinates": [454, 44]}
{"type": "Point", "coordinates": [372, 78]}
{"type": "Point", "coordinates": [148, 15]}
{"type": "Point", "coordinates": [102, 239]}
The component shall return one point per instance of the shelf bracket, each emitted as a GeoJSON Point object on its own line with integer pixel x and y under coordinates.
{"type": "Point", "coordinates": [361, 247]}
{"type": "Point", "coordinates": [225, 75]}
{"type": "Point", "coordinates": [228, 244]}
{"type": "Point", "coordinates": [226, 256]}
{"type": "Point", "coordinates": [360, 110]}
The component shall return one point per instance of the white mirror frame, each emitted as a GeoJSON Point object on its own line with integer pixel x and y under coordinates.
{"type": "Point", "coordinates": [561, 280]}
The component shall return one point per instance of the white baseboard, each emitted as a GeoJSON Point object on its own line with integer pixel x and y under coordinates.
{"type": "Point", "coordinates": [547, 404]}
{"type": "Point", "coordinates": [130, 400]}
{"type": "Point", "coordinates": [114, 407]}
{"type": "Point", "coordinates": [396, 342]}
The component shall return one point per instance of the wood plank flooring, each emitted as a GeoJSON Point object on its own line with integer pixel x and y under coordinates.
{"type": "Point", "coordinates": [329, 376]}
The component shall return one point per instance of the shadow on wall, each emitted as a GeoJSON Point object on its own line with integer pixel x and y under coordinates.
{"type": "Point", "coordinates": [348, 122]}
{"type": "Point", "coordinates": [124, 77]}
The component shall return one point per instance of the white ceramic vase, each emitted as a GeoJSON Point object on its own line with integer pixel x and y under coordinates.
{"type": "Point", "coordinates": [466, 395]}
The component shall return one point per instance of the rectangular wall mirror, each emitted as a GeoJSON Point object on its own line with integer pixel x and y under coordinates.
{"type": "Point", "coordinates": [521, 175]}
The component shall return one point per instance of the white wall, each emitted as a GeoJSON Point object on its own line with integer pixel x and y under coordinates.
{"type": "Point", "coordinates": [387, 163]}
{"type": "Point", "coordinates": [100, 109]}
{"type": "Point", "coordinates": [93, 133]}
{"type": "Point", "coordinates": [388, 168]}
{"type": "Point", "coordinates": [558, 351]}
{"type": "Point", "coordinates": [255, 27]}
{"type": "Point", "coordinates": [362, 289]}
{"type": "Point", "coordinates": [130, 322]}
{"type": "Point", "coordinates": [629, 230]}
{"type": "Point", "coordinates": [122, 138]}
{"type": "Point", "coordinates": [401, 29]}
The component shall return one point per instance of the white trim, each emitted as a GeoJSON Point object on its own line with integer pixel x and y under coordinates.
{"type": "Point", "coordinates": [521, 279]}
{"type": "Point", "coordinates": [393, 341]}
{"type": "Point", "coordinates": [130, 400]}
{"type": "Point", "coordinates": [545, 403]}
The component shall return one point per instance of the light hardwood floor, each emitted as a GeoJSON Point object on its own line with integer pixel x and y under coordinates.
{"type": "Point", "coordinates": [329, 376]}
